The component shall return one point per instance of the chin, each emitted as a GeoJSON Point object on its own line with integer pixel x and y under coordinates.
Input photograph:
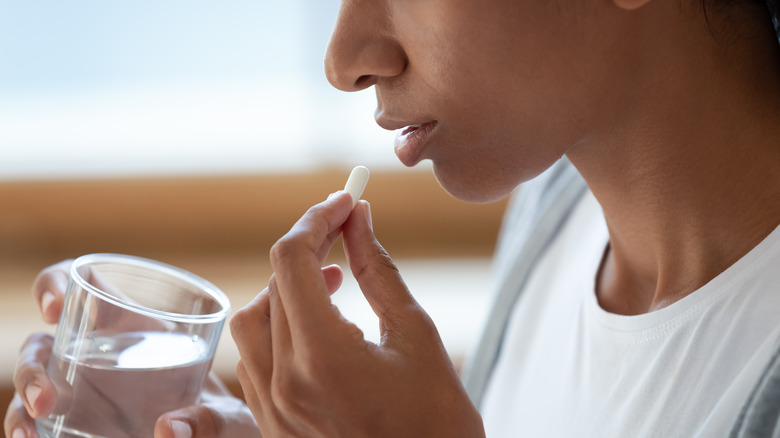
{"type": "Point", "coordinates": [485, 182]}
{"type": "Point", "coordinates": [473, 187]}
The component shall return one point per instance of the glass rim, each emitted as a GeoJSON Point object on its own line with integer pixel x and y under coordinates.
{"type": "Point", "coordinates": [145, 263]}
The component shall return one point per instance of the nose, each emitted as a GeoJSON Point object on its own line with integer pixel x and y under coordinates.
{"type": "Point", "coordinates": [362, 49]}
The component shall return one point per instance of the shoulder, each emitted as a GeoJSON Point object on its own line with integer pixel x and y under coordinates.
{"type": "Point", "coordinates": [757, 273]}
{"type": "Point", "coordinates": [760, 416]}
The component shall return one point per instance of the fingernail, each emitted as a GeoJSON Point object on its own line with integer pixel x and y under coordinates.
{"type": "Point", "coordinates": [32, 392]}
{"type": "Point", "coordinates": [336, 193]}
{"type": "Point", "coordinates": [18, 433]}
{"type": "Point", "coordinates": [181, 429]}
{"type": "Point", "coordinates": [46, 301]}
{"type": "Point", "coordinates": [368, 216]}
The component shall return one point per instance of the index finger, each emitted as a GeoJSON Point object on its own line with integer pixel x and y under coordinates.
{"type": "Point", "coordinates": [297, 259]}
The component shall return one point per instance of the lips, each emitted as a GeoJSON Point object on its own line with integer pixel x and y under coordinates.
{"type": "Point", "coordinates": [411, 141]}
{"type": "Point", "coordinates": [409, 129]}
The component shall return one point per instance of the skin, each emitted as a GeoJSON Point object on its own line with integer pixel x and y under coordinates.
{"type": "Point", "coordinates": [675, 120]}
{"type": "Point", "coordinates": [671, 120]}
{"type": "Point", "coordinates": [508, 102]}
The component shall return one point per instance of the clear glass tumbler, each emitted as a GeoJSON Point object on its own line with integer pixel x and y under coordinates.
{"type": "Point", "coordinates": [135, 340]}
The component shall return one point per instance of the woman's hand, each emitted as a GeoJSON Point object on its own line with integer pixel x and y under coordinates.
{"type": "Point", "coordinates": [218, 413]}
{"type": "Point", "coordinates": [308, 372]}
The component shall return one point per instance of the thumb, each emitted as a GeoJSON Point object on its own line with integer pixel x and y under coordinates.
{"type": "Point", "coordinates": [399, 313]}
{"type": "Point", "coordinates": [189, 422]}
{"type": "Point", "coordinates": [177, 424]}
{"type": "Point", "coordinates": [220, 414]}
{"type": "Point", "coordinates": [201, 421]}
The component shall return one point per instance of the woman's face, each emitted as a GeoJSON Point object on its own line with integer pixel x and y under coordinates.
{"type": "Point", "coordinates": [492, 91]}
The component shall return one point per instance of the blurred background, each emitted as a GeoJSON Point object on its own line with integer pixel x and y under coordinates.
{"type": "Point", "coordinates": [196, 132]}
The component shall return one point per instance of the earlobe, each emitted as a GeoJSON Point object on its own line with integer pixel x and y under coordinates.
{"type": "Point", "coordinates": [630, 5]}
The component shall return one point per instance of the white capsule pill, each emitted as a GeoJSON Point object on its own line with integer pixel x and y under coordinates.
{"type": "Point", "coordinates": [356, 183]}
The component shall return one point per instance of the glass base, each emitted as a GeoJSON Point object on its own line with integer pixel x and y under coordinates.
{"type": "Point", "coordinates": [47, 428]}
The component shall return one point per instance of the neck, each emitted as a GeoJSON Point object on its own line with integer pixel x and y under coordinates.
{"type": "Point", "coordinates": [688, 177]}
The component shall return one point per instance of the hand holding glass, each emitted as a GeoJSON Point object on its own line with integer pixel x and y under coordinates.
{"type": "Point", "coordinates": [135, 340]}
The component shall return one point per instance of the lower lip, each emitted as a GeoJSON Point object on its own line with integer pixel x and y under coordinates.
{"type": "Point", "coordinates": [409, 147]}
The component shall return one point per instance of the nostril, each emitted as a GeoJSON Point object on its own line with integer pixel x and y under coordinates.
{"type": "Point", "coordinates": [365, 81]}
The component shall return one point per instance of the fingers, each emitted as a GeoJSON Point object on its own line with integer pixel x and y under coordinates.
{"type": "Point", "coordinates": [251, 331]}
{"type": "Point", "coordinates": [297, 259]}
{"type": "Point", "coordinates": [334, 276]}
{"type": "Point", "coordinates": [31, 380]}
{"type": "Point", "coordinates": [262, 334]}
{"type": "Point", "coordinates": [219, 414]}
{"type": "Point", "coordinates": [226, 418]}
{"type": "Point", "coordinates": [374, 271]}
{"type": "Point", "coordinates": [49, 290]}
{"type": "Point", "coordinates": [250, 392]}
{"type": "Point", "coordinates": [18, 423]}
{"type": "Point", "coordinates": [191, 422]}
{"type": "Point", "coordinates": [174, 427]}
{"type": "Point", "coordinates": [280, 330]}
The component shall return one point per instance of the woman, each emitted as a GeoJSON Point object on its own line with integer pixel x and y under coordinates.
{"type": "Point", "coordinates": [640, 305]}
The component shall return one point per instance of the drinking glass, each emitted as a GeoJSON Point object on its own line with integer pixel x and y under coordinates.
{"type": "Point", "coordinates": [135, 340]}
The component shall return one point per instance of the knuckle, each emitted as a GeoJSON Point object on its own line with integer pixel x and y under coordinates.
{"type": "Point", "coordinates": [56, 269]}
{"type": "Point", "coordinates": [303, 236]}
{"type": "Point", "coordinates": [242, 375]}
{"type": "Point", "coordinates": [354, 334]}
{"type": "Point", "coordinates": [383, 257]}
{"type": "Point", "coordinates": [206, 422]}
{"type": "Point", "coordinates": [33, 358]}
{"type": "Point", "coordinates": [286, 392]}
{"type": "Point", "coordinates": [315, 211]}
{"type": "Point", "coordinates": [415, 314]}
{"type": "Point", "coordinates": [237, 323]}
{"type": "Point", "coordinates": [307, 368]}
{"type": "Point", "coordinates": [316, 371]}
{"type": "Point", "coordinates": [240, 370]}
{"type": "Point", "coordinates": [381, 266]}
{"type": "Point", "coordinates": [38, 341]}
{"type": "Point", "coordinates": [423, 324]}
{"type": "Point", "coordinates": [251, 314]}
{"type": "Point", "coordinates": [239, 326]}
{"type": "Point", "coordinates": [289, 246]}
{"type": "Point", "coordinates": [25, 374]}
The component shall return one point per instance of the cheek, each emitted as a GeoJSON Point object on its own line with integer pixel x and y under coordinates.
{"type": "Point", "coordinates": [499, 129]}
{"type": "Point", "coordinates": [510, 92]}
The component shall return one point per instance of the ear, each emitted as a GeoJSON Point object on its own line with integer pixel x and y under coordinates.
{"type": "Point", "coordinates": [630, 5]}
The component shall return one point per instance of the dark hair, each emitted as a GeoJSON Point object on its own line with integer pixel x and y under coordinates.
{"type": "Point", "coordinates": [758, 9]}
{"type": "Point", "coordinates": [774, 10]}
